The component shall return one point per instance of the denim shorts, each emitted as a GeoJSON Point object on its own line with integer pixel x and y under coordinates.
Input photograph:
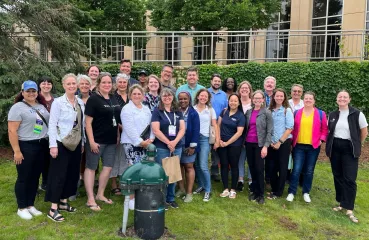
{"type": "Point", "coordinates": [187, 159]}
{"type": "Point", "coordinates": [106, 152]}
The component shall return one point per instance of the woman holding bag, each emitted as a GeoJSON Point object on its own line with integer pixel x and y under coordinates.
{"type": "Point", "coordinates": [208, 118]}
{"type": "Point", "coordinates": [169, 127]}
{"type": "Point", "coordinates": [66, 145]}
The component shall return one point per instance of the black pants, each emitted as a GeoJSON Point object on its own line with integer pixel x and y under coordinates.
{"type": "Point", "coordinates": [214, 169]}
{"type": "Point", "coordinates": [45, 170]}
{"type": "Point", "coordinates": [63, 174]}
{"type": "Point", "coordinates": [29, 171]}
{"type": "Point", "coordinates": [229, 155]}
{"type": "Point", "coordinates": [256, 165]}
{"type": "Point", "coordinates": [268, 170]}
{"type": "Point", "coordinates": [344, 169]}
{"type": "Point", "coordinates": [279, 163]}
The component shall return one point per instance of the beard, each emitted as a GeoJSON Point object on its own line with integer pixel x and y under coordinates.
{"type": "Point", "coordinates": [215, 87]}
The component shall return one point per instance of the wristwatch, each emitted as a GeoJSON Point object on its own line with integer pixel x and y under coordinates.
{"type": "Point", "coordinates": [281, 141]}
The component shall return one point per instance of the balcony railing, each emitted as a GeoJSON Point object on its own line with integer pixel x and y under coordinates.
{"type": "Point", "coordinates": [219, 47]}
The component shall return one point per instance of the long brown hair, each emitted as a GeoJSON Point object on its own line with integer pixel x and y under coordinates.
{"type": "Point", "coordinates": [196, 100]}
{"type": "Point", "coordinates": [285, 103]}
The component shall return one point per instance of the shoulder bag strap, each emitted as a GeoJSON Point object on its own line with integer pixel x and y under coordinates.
{"type": "Point", "coordinates": [38, 113]}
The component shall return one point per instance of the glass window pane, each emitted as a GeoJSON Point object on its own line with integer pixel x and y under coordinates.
{"type": "Point", "coordinates": [334, 20]}
{"type": "Point", "coordinates": [335, 7]}
{"type": "Point", "coordinates": [319, 22]}
{"type": "Point", "coordinates": [319, 8]}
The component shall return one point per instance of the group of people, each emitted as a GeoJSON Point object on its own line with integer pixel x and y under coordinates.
{"type": "Point", "coordinates": [114, 119]}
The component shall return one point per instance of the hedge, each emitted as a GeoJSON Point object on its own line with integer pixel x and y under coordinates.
{"type": "Point", "coordinates": [323, 78]}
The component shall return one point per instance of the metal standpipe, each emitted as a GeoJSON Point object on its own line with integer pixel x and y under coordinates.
{"type": "Point", "coordinates": [148, 181]}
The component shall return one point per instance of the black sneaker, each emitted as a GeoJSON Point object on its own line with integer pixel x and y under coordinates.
{"type": "Point", "coordinates": [261, 200]}
{"type": "Point", "coordinates": [166, 206]}
{"type": "Point", "coordinates": [252, 197]}
{"type": "Point", "coordinates": [198, 190]}
{"type": "Point", "coordinates": [172, 204]}
{"type": "Point", "coordinates": [206, 197]}
{"type": "Point", "coordinates": [239, 186]}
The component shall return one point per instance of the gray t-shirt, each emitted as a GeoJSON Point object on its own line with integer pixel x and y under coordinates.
{"type": "Point", "coordinates": [20, 112]}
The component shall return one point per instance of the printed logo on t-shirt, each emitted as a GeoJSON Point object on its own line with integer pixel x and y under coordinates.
{"type": "Point", "coordinates": [108, 106]}
{"type": "Point", "coordinates": [234, 119]}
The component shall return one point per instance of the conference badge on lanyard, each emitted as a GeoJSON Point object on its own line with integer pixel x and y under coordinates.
{"type": "Point", "coordinates": [172, 127]}
{"type": "Point", "coordinates": [38, 126]}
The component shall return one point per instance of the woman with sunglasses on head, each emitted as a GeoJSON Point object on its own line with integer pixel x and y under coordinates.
{"type": "Point", "coordinates": [259, 129]}
{"type": "Point", "coordinates": [168, 127]}
{"type": "Point", "coordinates": [348, 129]}
{"type": "Point", "coordinates": [231, 123]}
{"type": "Point", "coordinates": [27, 127]}
{"type": "Point", "coordinates": [66, 122]}
{"type": "Point", "coordinates": [102, 119]}
{"type": "Point", "coordinates": [279, 150]}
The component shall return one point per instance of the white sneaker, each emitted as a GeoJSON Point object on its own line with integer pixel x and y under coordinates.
{"type": "Point", "coordinates": [307, 197]}
{"type": "Point", "coordinates": [290, 197]}
{"type": "Point", "coordinates": [24, 214]}
{"type": "Point", "coordinates": [34, 211]}
{"type": "Point", "coordinates": [131, 204]}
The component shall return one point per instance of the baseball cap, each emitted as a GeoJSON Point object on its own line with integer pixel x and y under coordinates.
{"type": "Point", "coordinates": [142, 72]}
{"type": "Point", "coordinates": [29, 84]}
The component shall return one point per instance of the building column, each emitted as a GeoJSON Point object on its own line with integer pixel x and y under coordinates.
{"type": "Point", "coordinates": [352, 42]}
{"type": "Point", "coordinates": [301, 19]}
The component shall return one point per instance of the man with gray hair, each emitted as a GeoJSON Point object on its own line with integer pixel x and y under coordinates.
{"type": "Point", "coordinates": [269, 85]}
{"type": "Point", "coordinates": [296, 103]}
{"type": "Point", "coordinates": [166, 76]}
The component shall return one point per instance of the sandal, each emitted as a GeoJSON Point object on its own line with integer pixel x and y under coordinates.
{"type": "Point", "coordinates": [95, 207]}
{"type": "Point", "coordinates": [66, 207]}
{"type": "Point", "coordinates": [352, 217]}
{"type": "Point", "coordinates": [225, 193]}
{"type": "Point", "coordinates": [107, 201]}
{"type": "Point", "coordinates": [337, 209]}
{"type": "Point", "coordinates": [116, 191]}
{"type": "Point", "coordinates": [56, 217]}
{"type": "Point", "coordinates": [232, 195]}
{"type": "Point", "coordinates": [271, 196]}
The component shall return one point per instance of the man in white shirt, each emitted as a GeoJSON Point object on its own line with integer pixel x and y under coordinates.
{"type": "Point", "coordinates": [296, 102]}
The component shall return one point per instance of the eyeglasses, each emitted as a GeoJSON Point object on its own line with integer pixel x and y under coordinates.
{"type": "Point", "coordinates": [298, 91]}
{"type": "Point", "coordinates": [169, 72]}
{"type": "Point", "coordinates": [167, 96]}
{"type": "Point", "coordinates": [259, 98]}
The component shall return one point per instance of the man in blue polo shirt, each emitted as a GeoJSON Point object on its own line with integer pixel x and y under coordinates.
{"type": "Point", "coordinates": [219, 102]}
{"type": "Point", "coordinates": [192, 87]}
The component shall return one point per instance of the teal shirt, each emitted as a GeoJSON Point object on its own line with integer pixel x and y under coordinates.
{"type": "Point", "coordinates": [192, 91]}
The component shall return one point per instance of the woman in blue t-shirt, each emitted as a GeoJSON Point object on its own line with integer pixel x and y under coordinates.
{"type": "Point", "coordinates": [231, 123]}
{"type": "Point", "coordinates": [168, 127]}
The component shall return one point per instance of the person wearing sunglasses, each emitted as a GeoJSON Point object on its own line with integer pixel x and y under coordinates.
{"type": "Point", "coordinates": [296, 103]}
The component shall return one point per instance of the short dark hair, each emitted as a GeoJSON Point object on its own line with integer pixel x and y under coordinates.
{"type": "Point", "coordinates": [44, 79]}
{"type": "Point", "coordinates": [224, 84]}
{"type": "Point", "coordinates": [239, 102]}
{"type": "Point", "coordinates": [125, 61]}
{"type": "Point", "coordinates": [167, 65]}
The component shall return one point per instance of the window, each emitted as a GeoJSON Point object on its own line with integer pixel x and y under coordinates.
{"type": "Point", "coordinates": [238, 48]}
{"type": "Point", "coordinates": [277, 35]}
{"type": "Point", "coordinates": [326, 23]}
{"type": "Point", "coordinates": [172, 49]}
{"type": "Point", "coordinates": [202, 50]}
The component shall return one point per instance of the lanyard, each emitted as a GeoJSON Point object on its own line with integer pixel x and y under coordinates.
{"type": "Point", "coordinates": [174, 117]}
{"type": "Point", "coordinates": [185, 112]}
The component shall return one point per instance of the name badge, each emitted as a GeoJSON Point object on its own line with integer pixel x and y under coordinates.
{"type": "Point", "coordinates": [38, 126]}
{"type": "Point", "coordinates": [114, 122]}
{"type": "Point", "coordinates": [172, 130]}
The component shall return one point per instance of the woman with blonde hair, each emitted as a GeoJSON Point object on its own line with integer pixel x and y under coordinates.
{"type": "Point", "coordinates": [153, 90]}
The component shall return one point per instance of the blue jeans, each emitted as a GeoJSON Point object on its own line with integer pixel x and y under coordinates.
{"type": "Point", "coordinates": [163, 153]}
{"type": "Point", "coordinates": [304, 160]}
{"type": "Point", "coordinates": [201, 164]}
{"type": "Point", "coordinates": [241, 165]}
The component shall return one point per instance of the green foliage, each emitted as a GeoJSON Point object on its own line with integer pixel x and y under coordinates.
{"type": "Point", "coordinates": [109, 15]}
{"type": "Point", "coordinates": [212, 15]}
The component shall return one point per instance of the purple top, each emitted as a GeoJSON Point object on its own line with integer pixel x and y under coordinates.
{"type": "Point", "coordinates": [252, 135]}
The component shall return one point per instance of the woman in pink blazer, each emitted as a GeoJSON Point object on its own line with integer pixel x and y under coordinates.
{"type": "Point", "coordinates": [310, 130]}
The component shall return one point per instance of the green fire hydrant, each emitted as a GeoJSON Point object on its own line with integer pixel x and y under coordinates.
{"type": "Point", "coordinates": [147, 181]}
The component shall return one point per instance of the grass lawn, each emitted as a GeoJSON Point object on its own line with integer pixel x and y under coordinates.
{"type": "Point", "coordinates": [218, 219]}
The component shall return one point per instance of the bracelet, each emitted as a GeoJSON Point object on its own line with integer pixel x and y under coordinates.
{"type": "Point", "coordinates": [281, 141]}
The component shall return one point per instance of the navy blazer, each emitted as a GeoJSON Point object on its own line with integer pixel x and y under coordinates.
{"type": "Point", "coordinates": [192, 134]}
